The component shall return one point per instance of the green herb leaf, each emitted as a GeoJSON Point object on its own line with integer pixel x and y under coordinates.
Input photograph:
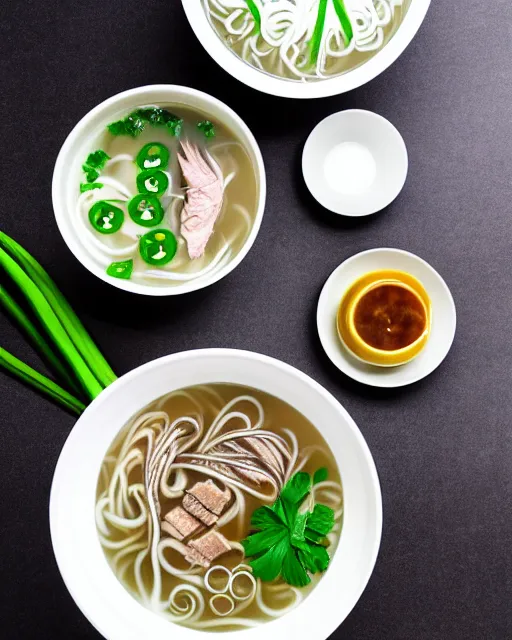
{"type": "Point", "coordinates": [268, 566]}
{"type": "Point", "coordinates": [135, 123]}
{"type": "Point", "coordinates": [321, 475]}
{"type": "Point", "coordinates": [97, 159]}
{"type": "Point", "coordinates": [207, 128]}
{"type": "Point", "coordinates": [278, 509]}
{"type": "Point", "coordinates": [293, 571]}
{"type": "Point", "coordinates": [321, 519]}
{"type": "Point", "coordinates": [264, 540]}
{"type": "Point", "coordinates": [313, 536]}
{"type": "Point", "coordinates": [314, 557]}
{"type": "Point", "coordinates": [297, 488]}
{"type": "Point", "coordinates": [298, 528]}
{"type": "Point", "coordinates": [265, 517]}
{"type": "Point", "coordinates": [88, 186]}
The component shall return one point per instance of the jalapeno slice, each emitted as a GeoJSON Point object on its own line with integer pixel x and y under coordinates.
{"type": "Point", "coordinates": [152, 181]}
{"type": "Point", "coordinates": [146, 210]}
{"type": "Point", "coordinates": [121, 270]}
{"type": "Point", "coordinates": [105, 217]}
{"type": "Point", "coordinates": [153, 156]}
{"type": "Point", "coordinates": [158, 247]}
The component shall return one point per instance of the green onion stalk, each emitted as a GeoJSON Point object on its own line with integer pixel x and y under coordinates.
{"type": "Point", "coordinates": [56, 332]}
{"type": "Point", "coordinates": [38, 381]}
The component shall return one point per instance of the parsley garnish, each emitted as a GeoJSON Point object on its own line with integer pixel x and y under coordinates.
{"type": "Point", "coordinates": [288, 541]}
{"type": "Point", "coordinates": [89, 186]}
{"type": "Point", "coordinates": [135, 123]}
{"type": "Point", "coordinates": [207, 128]}
{"type": "Point", "coordinates": [94, 164]}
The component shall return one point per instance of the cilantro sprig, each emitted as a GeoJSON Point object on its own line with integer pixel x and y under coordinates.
{"type": "Point", "coordinates": [92, 168]}
{"type": "Point", "coordinates": [289, 541]}
{"type": "Point", "coordinates": [207, 127]}
{"type": "Point", "coordinates": [135, 123]}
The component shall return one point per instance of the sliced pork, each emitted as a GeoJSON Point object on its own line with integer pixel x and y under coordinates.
{"type": "Point", "coordinates": [204, 197]}
{"type": "Point", "coordinates": [180, 524]}
{"type": "Point", "coordinates": [207, 548]}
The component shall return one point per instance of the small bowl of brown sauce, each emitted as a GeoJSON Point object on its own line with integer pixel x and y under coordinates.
{"type": "Point", "coordinates": [384, 318]}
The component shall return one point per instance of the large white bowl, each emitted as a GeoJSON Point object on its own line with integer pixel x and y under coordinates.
{"type": "Point", "coordinates": [91, 582]}
{"type": "Point", "coordinates": [293, 89]}
{"type": "Point", "coordinates": [67, 174]}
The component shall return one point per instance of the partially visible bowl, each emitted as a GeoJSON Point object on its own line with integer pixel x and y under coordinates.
{"type": "Point", "coordinates": [84, 568]}
{"type": "Point", "coordinates": [67, 175]}
{"type": "Point", "coordinates": [284, 87]}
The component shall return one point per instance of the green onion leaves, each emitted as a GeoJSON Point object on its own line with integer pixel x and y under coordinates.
{"type": "Point", "coordinates": [288, 540]}
{"type": "Point", "coordinates": [53, 328]}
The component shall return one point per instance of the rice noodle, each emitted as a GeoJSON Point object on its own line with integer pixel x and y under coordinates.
{"type": "Point", "coordinates": [280, 44]}
{"type": "Point", "coordinates": [155, 460]}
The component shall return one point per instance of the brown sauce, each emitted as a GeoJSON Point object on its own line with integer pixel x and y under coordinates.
{"type": "Point", "coordinates": [390, 317]}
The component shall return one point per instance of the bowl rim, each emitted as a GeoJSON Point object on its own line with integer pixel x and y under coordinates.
{"type": "Point", "coordinates": [284, 88]}
{"type": "Point", "coordinates": [75, 583]}
{"type": "Point", "coordinates": [60, 205]}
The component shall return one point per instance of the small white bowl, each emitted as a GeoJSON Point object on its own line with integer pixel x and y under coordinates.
{"type": "Point", "coordinates": [82, 563]}
{"type": "Point", "coordinates": [67, 174]}
{"type": "Point", "coordinates": [444, 318]}
{"type": "Point", "coordinates": [355, 162]}
{"type": "Point", "coordinates": [262, 81]}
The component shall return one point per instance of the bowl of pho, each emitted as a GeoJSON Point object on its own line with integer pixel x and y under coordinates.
{"type": "Point", "coordinates": [160, 190]}
{"type": "Point", "coordinates": [305, 48]}
{"type": "Point", "coordinates": [215, 491]}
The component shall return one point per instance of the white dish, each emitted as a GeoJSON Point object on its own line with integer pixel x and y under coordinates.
{"type": "Point", "coordinates": [355, 162]}
{"type": "Point", "coordinates": [318, 89]}
{"type": "Point", "coordinates": [443, 318]}
{"type": "Point", "coordinates": [82, 563]}
{"type": "Point", "coordinates": [77, 146]}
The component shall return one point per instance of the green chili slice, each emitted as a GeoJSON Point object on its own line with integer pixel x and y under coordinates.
{"type": "Point", "coordinates": [105, 217]}
{"type": "Point", "coordinates": [122, 270]}
{"type": "Point", "coordinates": [153, 156]}
{"type": "Point", "coordinates": [158, 247]}
{"type": "Point", "coordinates": [146, 210]}
{"type": "Point", "coordinates": [152, 181]}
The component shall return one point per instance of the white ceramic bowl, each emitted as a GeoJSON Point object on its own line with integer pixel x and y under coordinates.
{"type": "Point", "coordinates": [291, 89]}
{"type": "Point", "coordinates": [67, 174]}
{"type": "Point", "coordinates": [105, 602]}
{"type": "Point", "coordinates": [355, 162]}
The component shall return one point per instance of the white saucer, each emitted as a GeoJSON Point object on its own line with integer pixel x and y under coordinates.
{"type": "Point", "coordinates": [355, 162]}
{"type": "Point", "coordinates": [443, 318]}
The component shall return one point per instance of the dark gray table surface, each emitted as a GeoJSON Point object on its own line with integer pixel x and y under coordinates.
{"type": "Point", "coordinates": [443, 447]}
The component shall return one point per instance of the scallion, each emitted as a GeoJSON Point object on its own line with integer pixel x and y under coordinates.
{"type": "Point", "coordinates": [62, 309]}
{"type": "Point", "coordinates": [52, 324]}
{"type": "Point", "coordinates": [316, 39]}
{"type": "Point", "coordinates": [32, 377]}
{"type": "Point", "coordinates": [34, 335]}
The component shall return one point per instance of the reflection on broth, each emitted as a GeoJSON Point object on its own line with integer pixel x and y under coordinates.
{"type": "Point", "coordinates": [219, 507]}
